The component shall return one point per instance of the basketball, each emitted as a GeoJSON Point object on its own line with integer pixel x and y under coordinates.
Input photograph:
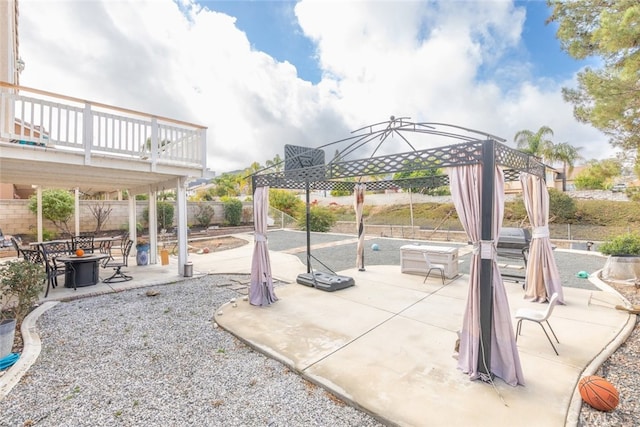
{"type": "Point", "coordinates": [599, 393]}
{"type": "Point", "coordinates": [79, 252]}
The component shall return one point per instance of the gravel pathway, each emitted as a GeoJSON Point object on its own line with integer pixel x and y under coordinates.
{"type": "Point", "coordinates": [131, 359]}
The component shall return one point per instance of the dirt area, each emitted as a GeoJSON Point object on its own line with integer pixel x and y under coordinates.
{"type": "Point", "coordinates": [216, 244]}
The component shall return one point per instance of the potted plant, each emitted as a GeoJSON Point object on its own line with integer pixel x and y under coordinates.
{"type": "Point", "coordinates": [21, 283]}
{"type": "Point", "coordinates": [624, 257]}
{"type": "Point", "coordinates": [142, 251]}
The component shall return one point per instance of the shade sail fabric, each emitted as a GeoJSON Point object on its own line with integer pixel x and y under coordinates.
{"type": "Point", "coordinates": [358, 205]}
{"type": "Point", "coordinates": [466, 191]}
{"type": "Point", "coordinates": [543, 278]}
{"type": "Point", "coordinates": [261, 290]}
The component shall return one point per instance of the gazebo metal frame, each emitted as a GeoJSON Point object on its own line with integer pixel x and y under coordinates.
{"type": "Point", "coordinates": [477, 147]}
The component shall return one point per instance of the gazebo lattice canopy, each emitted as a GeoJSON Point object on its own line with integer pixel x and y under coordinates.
{"type": "Point", "coordinates": [477, 164]}
{"type": "Point", "coordinates": [341, 174]}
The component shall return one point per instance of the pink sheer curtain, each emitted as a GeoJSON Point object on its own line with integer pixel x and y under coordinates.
{"type": "Point", "coordinates": [358, 204]}
{"type": "Point", "coordinates": [543, 278]}
{"type": "Point", "coordinates": [261, 289]}
{"type": "Point", "coordinates": [466, 189]}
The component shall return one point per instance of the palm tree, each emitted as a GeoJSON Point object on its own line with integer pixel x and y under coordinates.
{"type": "Point", "coordinates": [568, 155]}
{"type": "Point", "coordinates": [534, 142]}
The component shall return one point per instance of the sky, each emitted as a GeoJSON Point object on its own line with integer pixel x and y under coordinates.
{"type": "Point", "coordinates": [261, 74]}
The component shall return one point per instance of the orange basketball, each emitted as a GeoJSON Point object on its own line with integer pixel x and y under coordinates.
{"type": "Point", "coordinates": [79, 252]}
{"type": "Point", "coordinates": [598, 393]}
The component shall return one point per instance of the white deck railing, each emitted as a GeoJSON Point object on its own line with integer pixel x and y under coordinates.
{"type": "Point", "coordinates": [39, 118]}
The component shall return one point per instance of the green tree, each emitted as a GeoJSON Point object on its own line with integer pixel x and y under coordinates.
{"type": "Point", "coordinates": [164, 214]}
{"type": "Point", "coordinates": [321, 219]}
{"type": "Point", "coordinates": [232, 211]}
{"type": "Point", "coordinates": [416, 169]}
{"type": "Point", "coordinates": [598, 175]}
{"type": "Point", "coordinates": [285, 200]}
{"type": "Point", "coordinates": [535, 143]}
{"type": "Point", "coordinates": [562, 208]}
{"type": "Point", "coordinates": [226, 185]}
{"type": "Point", "coordinates": [276, 164]}
{"type": "Point", "coordinates": [57, 207]}
{"type": "Point", "coordinates": [608, 98]}
{"type": "Point", "coordinates": [567, 154]}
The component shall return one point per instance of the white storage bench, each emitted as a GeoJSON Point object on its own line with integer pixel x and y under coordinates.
{"type": "Point", "coordinates": [412, 259]}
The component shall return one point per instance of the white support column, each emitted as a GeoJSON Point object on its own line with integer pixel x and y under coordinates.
{"type": "Point", "coordinates": [153, 226]}
{"type": "Point", "coordinates": [87, 132]}
{"type": "Point", "coordinates": [76, 194]}
{"type": "Point", "coordinates": [181, 220]}
{"type": "Point", "coordinates": [133, 229]}
{"type": "Point", "coordinates": [39, 213]}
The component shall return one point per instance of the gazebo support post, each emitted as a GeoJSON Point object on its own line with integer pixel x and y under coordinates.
{"type": "Point", "coordinates": [308, 220]}
{"type": "Point", "coordinates": [486, 270]}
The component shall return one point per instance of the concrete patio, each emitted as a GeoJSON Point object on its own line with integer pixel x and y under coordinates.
{"type": "Point", "coordinates": [386, 345]}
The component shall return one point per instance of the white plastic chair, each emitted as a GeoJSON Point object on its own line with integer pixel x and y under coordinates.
{"type": "Point", "coordinates": [431, 266]}
{"type": "Point", "coordinates": [539, 317]}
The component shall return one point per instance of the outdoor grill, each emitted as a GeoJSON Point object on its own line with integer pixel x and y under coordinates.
{"type": "Point", "coordinates": [514, 243]}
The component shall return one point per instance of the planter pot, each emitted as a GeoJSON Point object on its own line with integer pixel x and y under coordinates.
{"type": "Point", "coordinates": [142, 254]}
{"type": "Point", "coordinates": [7, 333]}
{"type": "Point", "coordinates": [621, 267]}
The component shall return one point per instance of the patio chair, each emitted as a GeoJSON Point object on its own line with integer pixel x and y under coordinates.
{"type": "Point", "coordinates": [83, 241]}
{"type": "Point", "coordinates": [118, 275]}
{"type": "Point", "coordinates": [17, 247]}
{"type": "Point", "coordinates": [49, 251]}
{"type": "Point", "coordinates": [431, 267]}
{"type": "Point", "coordinates": [539, 317]}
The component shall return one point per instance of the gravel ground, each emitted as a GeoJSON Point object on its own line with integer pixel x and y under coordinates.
{"type": "Point", "coordinates": [621, 369]}
{"type": "Point", "coordinates": [131, 359]}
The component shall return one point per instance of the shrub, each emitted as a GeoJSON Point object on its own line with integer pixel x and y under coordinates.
{"type": "Point", "coordinates": [232, 211]}
{"type": "Point", "coordinates": [164, 215]}
{"type": "Point", "coordinates": [204, 215]}
{"type": "Point", "coordinates": [624, 244]}
{"type": "Point", "coordinates": [57, 207]}
{"type": "Point", "coordinates": [321, 219]}
{"type": "Point", "coordinates": [562, 208]}
{"type": "Point", "coordinates": [285, 200]}
{"type": "Point", "coordinates": [20, 284]}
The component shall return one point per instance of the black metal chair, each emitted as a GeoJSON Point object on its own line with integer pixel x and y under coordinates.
{"type": "Point", "coordinates": [83, 241]}
{"type": "Point", "coordinates": [117, 264]}
{"type": "Point", "coordinates": [49, 251]}
{"type": "Point", "coordinates": [16, 246]}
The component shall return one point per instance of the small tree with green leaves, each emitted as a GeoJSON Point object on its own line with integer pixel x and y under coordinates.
{"type": "Point", "coordinates": [285, 201]}
{"type": "Point", "coordinates": [57, 207]}
{"type": "Point", "coordinates": [232, 211]}
{"type": "Point", "coordinates": [20, 285]}
{"type": "Point", "coordinates": [164, 215]}
{"type": "Point", "coordinates": [321, 219]}
{"type": "Point", "coordinates": [562, 208]}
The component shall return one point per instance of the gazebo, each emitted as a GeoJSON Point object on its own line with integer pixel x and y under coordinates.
{"type": "Point", "coordinates": [477, 164]}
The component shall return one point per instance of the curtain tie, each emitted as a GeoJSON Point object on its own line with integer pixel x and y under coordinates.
{"type": "Point", "coordinates": [540, 232]}
{"type": "Point", "coordinates": [486, 248]}
{"type": "Point", "coordinates": [259, 237]}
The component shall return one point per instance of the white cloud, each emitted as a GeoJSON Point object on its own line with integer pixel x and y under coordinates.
{"type": "Point", "coordinates": [444, 62]}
